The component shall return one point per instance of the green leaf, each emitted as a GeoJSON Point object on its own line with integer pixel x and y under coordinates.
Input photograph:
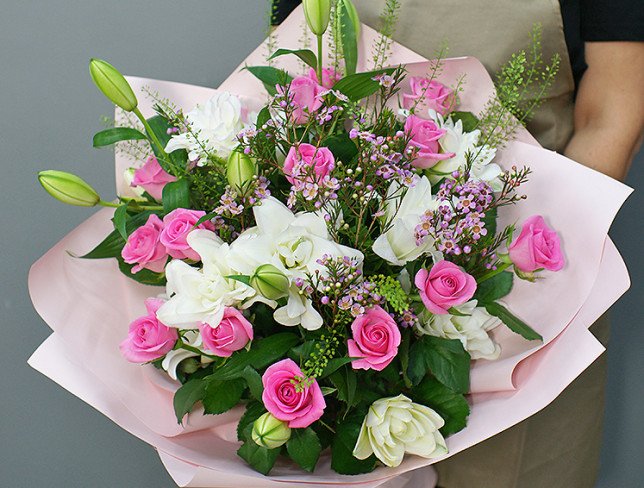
{"type": "Point", "coordinates": [304, 448]}
{"type": "Point", "coordinates": [145, 276]}
{"type": "Point", "coordinates": [512, 322]}
{"type": "Point", "coordinates": [119, 220]}
{"type": "Point", "coordinates": [254, 381]}
{"type": "Point", "coordinates": [495, 288]}
{"type": "Point", "coordinates": [176, 195]}
{"type": "Point", "coordinates": [342, 458]}
{"type": "Point", "coordinates": [254, 410]}
{"type": "Point", "coordinates": [361, 85]}
{"type": "Point", "coordinates": [333, 365]}
{"type": "Point", "coordinates": [305, 55]}
{"type": "Point", "coordinates": [445, 358]}
{"type": "Point", "coordinates": [263, 116]}
{"type": "Point", "coordinates": [468, 119]}
{"type": "Point", "coordinates": [270, 77]}
{"type": "Point", "coordinates": [346, 383]}
{"type": "Point", "coordinates": [116, 134]}
{"type": "Point", "coordinates": [245, 279]}
{"type": "Point", "coordinates": [186, 397]}
{"type": "Point", "coordinates": [349, 39]}
{"type": "Point", "coordinates": [259, 458]}
{"type": "Point", "coordinates": [112, 245]}
{"type": "Point", "coordinates": [221, 396]}
{"type": "Point", "coordinates": [262, 353]}
{"type": "Point", "coordinates": [490, 221]}
{"type": "Point", "coordinates": [452, 406]}
{"type": "Point", "coordinates": [178, 158]}
{"type": "Point", "coordinates": [343, 148]}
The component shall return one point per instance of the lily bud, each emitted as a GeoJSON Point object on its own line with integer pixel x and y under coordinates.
{"type": "Point", "coordinates": [270, 432]}
{"type": "Point", "coordinates": [68, 188]}
{"type": "Point", "coordinates": [270, 282]}
{"type": "Point", "coordinates": [352, 13]}
{"type": "Point", "coordinates": [317, 13]}
{"type": "Point", "coordinates": [240, 170]}
{"type": "Point", "coordinates": [113, 85]}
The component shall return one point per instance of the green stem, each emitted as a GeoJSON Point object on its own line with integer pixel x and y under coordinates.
{"type": "Point", "coordinates": [196, 351]}
{"type": "Point", "coordinates": [319, 70]}
{"type": "Point", "coordinates": [499, 269]}
{"type": "Point", "coordinates": [103, 203]}
{"type": "Point", "coordinates": [151, 134]}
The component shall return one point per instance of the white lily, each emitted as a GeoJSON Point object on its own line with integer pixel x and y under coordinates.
{"type": "Point", "coordinates": [172, 359]}
{"type": "Point", "coordinates": [403, 211]}
{"type": "Point", "coordinates": [200, 296]}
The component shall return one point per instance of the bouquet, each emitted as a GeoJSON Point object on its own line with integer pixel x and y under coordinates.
{"type": "Point", "coordinates": [340, 251]}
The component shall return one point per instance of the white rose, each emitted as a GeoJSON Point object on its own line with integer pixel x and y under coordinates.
{"type": "Point", "coordinates": [214, 127]}
{"type": "Point", "coordinates": [402, 214]}
{"type": "Point", "coordinates": [471, 329]}
{"type": "Point", "coordinates": [396, 425]}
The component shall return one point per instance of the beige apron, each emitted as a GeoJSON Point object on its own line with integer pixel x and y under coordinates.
{"type": "Point", "coordinates": [559, 446]}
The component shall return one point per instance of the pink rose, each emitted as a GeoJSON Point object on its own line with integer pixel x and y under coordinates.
{"type": "Point", "coordinates": [232, 333]}
{"type": "Point", "coordinates": [444, 286]}
{"type": "Point", "coordinates": [329, 77]}
{"type": "Point", "coordinates": [432, 94]}
{"type": "Point", "coordinates": [152, 178]}
{"type": "Point", "coordinates": [424, 135]}
{"type": "Point", "coordinates": [148, 338]}
{"type": "Point", "coordinates": [178, 224]}
{"type": "Point", "coordinates": [305, 160]}
{"type": "Point", "coordinates": [376, 338]}
{"type": "Point", "coordinates": [144, 248]}
{"type": "Point", "coordinates": [299, 405]}
{"type": "Point", "coordinates": [304, 94]}
{"type": "Point", "coordinates": [537, 247]}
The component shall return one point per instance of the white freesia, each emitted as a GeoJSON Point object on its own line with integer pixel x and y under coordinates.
{"type": "Point", "coordinates": [200, 295]}
{"type": "Point", "coordinates": [293, 244]}
{"type": "Point", "coordinates": [214, 127]}
{"type": "Point", "coordinates": [403, 212]}
{"type": "Point", "coordinates": [395, 426]}
{"type": "Point", "coordinates": [461, 143]}
{"type": "Point", "coordinates": [172, 359]}
{"type": "Point", "coordinates": [471, 329]}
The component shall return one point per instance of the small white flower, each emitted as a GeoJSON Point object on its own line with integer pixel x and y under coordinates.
{"type": "Point", "coordinates": [215, 125]}
{"type": "Point", "coordinates": [471, 329]}
{"type": "Point", "coordinates": [402, 214]}
{"type": "Point", "coordinates": [396, 425]}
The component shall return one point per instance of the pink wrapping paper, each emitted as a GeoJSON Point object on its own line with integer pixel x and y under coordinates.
{"type": "Point", "coordinates": [89, 304]}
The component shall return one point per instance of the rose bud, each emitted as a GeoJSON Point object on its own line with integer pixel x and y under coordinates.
{"type": "Point", "coordinates": [240, 170]}
{"type": "Point", "coordinates": [317, 13]}
{"type": "Point", "coordinates": [113, 85]}
{"type": "Point", "coordinates": [270, 282]}
{"type": "Point", "coordinates": [270, 432]}
{"type": "Point", "coordinates": [68, 188]}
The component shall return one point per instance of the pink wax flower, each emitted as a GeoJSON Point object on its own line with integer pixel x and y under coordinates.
{"type": "Point", "coordinates": [444, 286]}
{"type": "Point", "coordinates": [148, 339]}
{"type": "Point", "coordinates": [537, 247]}
{"type": "Point", "coordinates": [329, 77]}
{"type": "Point", "coordinates": [299, 405]}
{"type": "Point", "coordinates": [144, 249]}
{"type": "Point", "coordinates": [178, 224]}
{"type": "Point", "coordinates": [304, 94]}
{"type": "Point", "coordinates": [232, 333]}
{"type": "Point", "coordinates": [430, 94]}
{"type": "Point", "coordinates": [376, 338]}
{"type": "Point", "coordinates": [301, 158]}
{"type": "Point", "coordinates": [152, 178]}
{"type": "Point", "coordinates": [425, 136]}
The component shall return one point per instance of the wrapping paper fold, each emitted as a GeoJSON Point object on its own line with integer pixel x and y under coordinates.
{"type": "Point", "coordinates": [89, 304]}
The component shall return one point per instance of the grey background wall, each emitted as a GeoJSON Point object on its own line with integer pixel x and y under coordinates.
{"type": "Point", "coordinates": [49, 111]}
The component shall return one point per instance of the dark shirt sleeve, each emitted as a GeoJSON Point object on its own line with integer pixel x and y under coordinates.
{"type": "Point", "coordinates": [282, 9]}
{"type": "Point", "coordinates": [612, 20]}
